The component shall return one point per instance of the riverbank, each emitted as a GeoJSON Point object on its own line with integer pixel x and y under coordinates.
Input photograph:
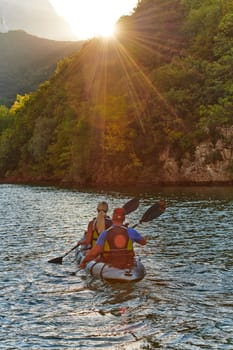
{"type": "Point", "coordinates": [129, 187]}
{"type": "Point", "coordinates": [63, 183]}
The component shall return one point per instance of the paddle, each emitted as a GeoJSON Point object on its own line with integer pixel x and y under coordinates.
{"type": "Point", "coordinates": [129, 207]}
{"type": "Point", "coordinates": [153, 212]}
{"type": "Point", "coordinates": [59, 259]}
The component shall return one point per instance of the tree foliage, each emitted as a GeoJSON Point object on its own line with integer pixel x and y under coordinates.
{"type": "Point", "coordinates": [110, 111]}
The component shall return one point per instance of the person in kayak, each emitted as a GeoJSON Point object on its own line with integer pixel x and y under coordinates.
{"type": "Point", "coordinates": [97, 225]}
{"type": "Point", "coordinates": [115, 244]}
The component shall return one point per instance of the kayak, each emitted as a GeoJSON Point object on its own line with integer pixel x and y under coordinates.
{"type": "Point", "coordinates": [109, 273]}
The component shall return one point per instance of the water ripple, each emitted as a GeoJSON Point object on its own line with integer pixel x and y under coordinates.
{"type": "Point", "coordinates": [184, 302]}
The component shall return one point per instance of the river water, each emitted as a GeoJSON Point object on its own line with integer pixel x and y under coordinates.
{"type": "Point", "coordinates": [184, 302]}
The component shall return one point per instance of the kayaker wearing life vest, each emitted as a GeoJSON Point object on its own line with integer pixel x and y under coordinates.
{"type": "Point", "coordinates": [116, 243]}
{"type": "Point", "coordinates": [97, 225]}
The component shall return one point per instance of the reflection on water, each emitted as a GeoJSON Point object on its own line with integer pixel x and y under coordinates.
{"type": "Point", "coordinates": [184, 302]}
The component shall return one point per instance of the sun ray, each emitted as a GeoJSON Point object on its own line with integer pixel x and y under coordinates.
{"type": "Point", "coordinates": [145, 80]}
{"type": "Point", "coordinates": [139, 86]}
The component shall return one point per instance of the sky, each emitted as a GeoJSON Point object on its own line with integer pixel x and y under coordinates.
{"type": "Point", "coordinates": [36, 17]}
{"type": "Point", "coordinates": [91, 18]}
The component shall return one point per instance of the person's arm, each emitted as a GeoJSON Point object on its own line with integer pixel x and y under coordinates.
{"type": "Point", "coordinates": [142, 241]}
{"type": "Point", "coordinates": [136, 236]}
{"type": "Point", "coordinates": [96, 250]}
{"type": "Point", "coordinates": [88, 237]}
{"type": "Point", "coordinates": [92, 254]}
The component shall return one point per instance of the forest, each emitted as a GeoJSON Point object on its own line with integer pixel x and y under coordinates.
{"type": "Point", "coordinates": [117, 110]}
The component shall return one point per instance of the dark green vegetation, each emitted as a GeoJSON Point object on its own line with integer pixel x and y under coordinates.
{"type": "Point", "coordinates": [26, 61]}
{"type": "Point", "coordinates": [111, 110]}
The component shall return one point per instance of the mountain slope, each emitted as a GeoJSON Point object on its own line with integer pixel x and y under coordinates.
{"type": "Point", "coordinates": [26, 61]}
{"type": "Point", "coordinates": [152, 106]}
{"type": "Point", "coordinates": [35, 17]}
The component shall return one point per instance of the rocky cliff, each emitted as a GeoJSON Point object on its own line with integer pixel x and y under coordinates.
{"type": "Point", "coordinates": [212, 162]}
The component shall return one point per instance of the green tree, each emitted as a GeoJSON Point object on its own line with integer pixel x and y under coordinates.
{"type": "Point", "coordinates": [6, 118]}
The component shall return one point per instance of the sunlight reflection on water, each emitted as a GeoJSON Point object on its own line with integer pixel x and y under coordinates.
{"type": "Point", "coordinates": [184, 301]}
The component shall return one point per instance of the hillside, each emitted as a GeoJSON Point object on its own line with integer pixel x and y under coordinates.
{"type": "Point", "coordinates": [153, 106]}
{"type": "Point", "coordinates": [26, 61]}
{"type": "Point", "coordinates": [38, 18]}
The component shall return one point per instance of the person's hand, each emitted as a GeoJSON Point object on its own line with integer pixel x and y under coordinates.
{"type": "Point", "coordinates": [82, 265]}
{"type": "Point", "coordinates": [81, 242]}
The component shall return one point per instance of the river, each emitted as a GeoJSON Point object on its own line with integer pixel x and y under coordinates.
{"type": "Point", "coordinates": [185, 301]}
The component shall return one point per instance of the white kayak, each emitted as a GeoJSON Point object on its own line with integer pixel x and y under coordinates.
{"type": "Point", "coordinates": [110, 273]}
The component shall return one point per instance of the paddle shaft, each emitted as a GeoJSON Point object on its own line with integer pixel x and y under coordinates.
{"type": "Point", "coordinates": [58, 260]}
{"type": "Point", "coordinates": [70, 250]}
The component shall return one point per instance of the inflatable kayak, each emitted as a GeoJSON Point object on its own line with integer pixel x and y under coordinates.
{"type": "Point", "coordinates": [110, 273]}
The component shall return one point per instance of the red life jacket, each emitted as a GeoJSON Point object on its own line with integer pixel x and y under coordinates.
{"type": "Point", "coordinates": [118, 248]}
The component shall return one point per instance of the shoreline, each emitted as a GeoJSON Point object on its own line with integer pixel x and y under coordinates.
{"type": "Point", "coordinates": [108, 186]}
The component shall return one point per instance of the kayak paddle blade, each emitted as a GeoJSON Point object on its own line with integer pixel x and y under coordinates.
{"type": "Point", "coordinates": [56, 261]}
{"type": "Point", "coordinates": [59, 259]}
{"type": "Point", "coordinates": [154, 211]}
{"type": "Point", "coordinates": [131, 205]}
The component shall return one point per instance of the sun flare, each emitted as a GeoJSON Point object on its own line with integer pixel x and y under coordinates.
{"type": "Point", "coordinates": [93, 18]}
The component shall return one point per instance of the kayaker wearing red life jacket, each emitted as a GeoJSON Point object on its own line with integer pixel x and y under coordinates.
{"type": "Point", "coordinates": [97, 225]}
{"type": "Point", "coordinates": [116, 243]}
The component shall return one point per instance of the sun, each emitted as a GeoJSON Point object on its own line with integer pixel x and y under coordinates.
{"type": "Point", "coordinates": [93, 18]}
{"type": "Point", "coordinates": [91, 24]}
